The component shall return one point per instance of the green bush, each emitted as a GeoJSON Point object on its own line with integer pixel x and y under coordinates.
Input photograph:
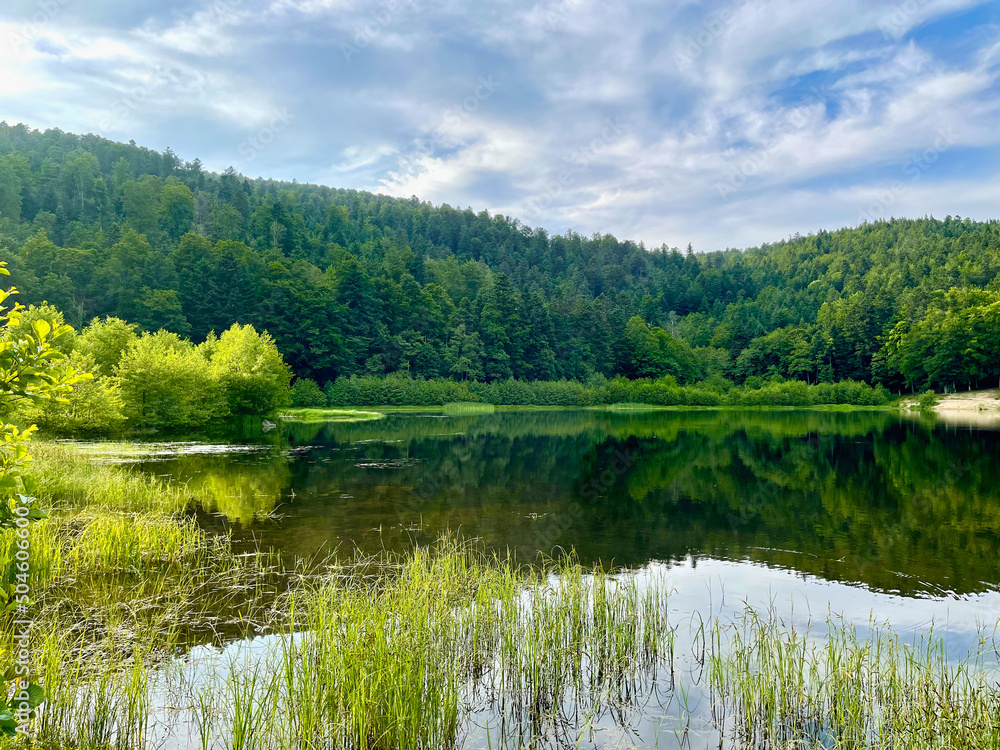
{"type": "Point", "coordinates": [927, 400]}
{"type": "Point", "coordinates": [167, 383]}
{"type": "Point", "coordinates": [250, 369]}
{"type": "Point", "coordinates": [402, 390]}
{"type": "Point", "coordinates": [105, 341]}
{"type": "Point", "coordinates": [306, 394]}
{"type": "Point", "coordinates": [396, 390]}
{"type": "Point", "coordinates": [95, 407]}
{"type": "Point", "coordinates": [797, 393]}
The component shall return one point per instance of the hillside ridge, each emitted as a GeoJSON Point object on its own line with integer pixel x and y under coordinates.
{"type": "Point", "coordinates": [350, 282]}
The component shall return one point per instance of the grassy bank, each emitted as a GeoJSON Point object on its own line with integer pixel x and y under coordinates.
{"type": "Point", "coordinates": [303, 414]}
{"type": "Point", "coordinates": [439, 648]}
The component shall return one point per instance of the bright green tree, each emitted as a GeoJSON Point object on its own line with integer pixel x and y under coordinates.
{"type": "Point", "coordinates": [95, 407]}
{"type": "Point", "coordinates": [32, 370]}
{"type": "Point", "coordinates": [104, 342]}
{"type": "Point", "coordinates": [166, 382]}
{"type": "Point", "coordinates": [251, 371]}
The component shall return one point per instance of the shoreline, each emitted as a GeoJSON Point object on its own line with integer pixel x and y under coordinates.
{"type": "Point", "coordinates": [972, 408]}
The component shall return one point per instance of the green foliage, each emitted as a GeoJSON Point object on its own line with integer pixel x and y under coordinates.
{"type": "Point", "coordinates": [396, 390]}
{"type": "Point", "coordinates": [23, 325]}
{"type": "Point", "coordinates": [250, 370]}
{"type": "Point", "coordinates": [160, 309]}
{"type": "Point", "coordinates": [797, 393]}
{"type": "Point", "coordinates": [166, 382]}
{"type": "Point", "coordinates": [307, 394]}
{"type": "Point", "coordinates": [33, 371]}
{"type": "Point", "coordinates": [927, 401]}
{"type": "Point", "coordinates": [162, 381]}
{"type": "Point", "coordinates": [654, 353]}
{"type": "Point", "coordinates": [351, 283]}
{"type": "Point", "coordinates": [955, 342]}
{"type": "Point", "coordinates": [94, 407]}
{"type": "Point", "coordinates": [105, 341]}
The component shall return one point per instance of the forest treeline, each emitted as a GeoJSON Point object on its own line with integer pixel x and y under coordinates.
{"type": "Point", "coordinates": [349, 283]}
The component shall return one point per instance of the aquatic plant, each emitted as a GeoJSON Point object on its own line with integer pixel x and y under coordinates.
{"type": "Point", "coordinates": [461, 408]}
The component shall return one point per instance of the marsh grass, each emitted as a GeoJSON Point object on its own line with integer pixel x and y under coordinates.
{"type": "Point", "coordinates": [464, 408]}
{"type": "Point", "coordinates": [67, 480]}
{"type": "Point", "coordinates": [400, 651]}
{"type": "Point", "coordinates": [431, 649]}
{"type": "Point", "coordinates": [404, 651]}
{"type": "Point", "coordinates": [122, 579]}
{"type": "Point", "coordinates": [778, 687]}
{"type": "Point", "coordinates": [309, 415]}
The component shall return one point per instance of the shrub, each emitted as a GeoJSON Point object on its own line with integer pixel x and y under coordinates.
{"type": "Point", "coordinates": [797, 393]}
{"type": "Point", "coordinates": [306, 394]}
{"type": "Point", "coordinates": [94, 407]}
{"type": "Point", "coordinates": [401, 390]}
{"type": "Point", "coordinates": [166, 382]}
{"type": "Point", "coordinates": [927, 400]}
{"type": "Point", "coordinates": [105, 341]}
{"type": "Point", "coordinates": [396, 390]}
{"type": "Point", "coordinates": [251, 371]}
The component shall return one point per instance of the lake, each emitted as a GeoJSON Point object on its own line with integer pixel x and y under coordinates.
{"type": "Point", "coordinates": [863, 498]}
{"type": "Point", "coordinates": [863, 516]}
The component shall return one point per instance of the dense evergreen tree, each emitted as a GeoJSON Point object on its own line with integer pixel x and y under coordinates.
{"type": "Point", "coordinates": [348, 282]}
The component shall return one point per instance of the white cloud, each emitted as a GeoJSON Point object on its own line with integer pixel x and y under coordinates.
{"type": "Point", "coordinates": [783, 97]}
{"type": "Point", "coordinates": [356, 157]}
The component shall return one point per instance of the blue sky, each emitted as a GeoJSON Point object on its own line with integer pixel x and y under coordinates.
{"type": "Point", "coordinates": [723, 124]}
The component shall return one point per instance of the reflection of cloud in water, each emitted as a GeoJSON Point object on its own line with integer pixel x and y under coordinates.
{"type": "Point", "coordinates": [718, 588]}
{"type": "Point", "coordinates": [702, 591]}
{"type": "Point", "coordinates": [126, 453]}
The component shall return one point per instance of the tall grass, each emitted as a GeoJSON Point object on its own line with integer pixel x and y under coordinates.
{"type": "Point", "coordinates": [781, 688]}
{"type": "Point", "coordinates": [460, 408]}
{"type": "Point", "coordinates": [68, 480]}
{"type": "Point", "coordinates": [416, 651]}
{"type": "Point", "coordinates": [403, 652]}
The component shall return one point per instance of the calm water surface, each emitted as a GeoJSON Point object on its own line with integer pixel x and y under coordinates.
{"type": "Point", "coordinates": [861, 515]}
{"type": "Point", "coordinates": [863, 498]}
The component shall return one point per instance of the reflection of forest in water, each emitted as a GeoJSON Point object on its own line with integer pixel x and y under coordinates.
{"type": "Point", "coordinates": [858, 496]}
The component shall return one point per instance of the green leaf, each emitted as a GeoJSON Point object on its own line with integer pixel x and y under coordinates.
{"type": "Point", "coordinates": [36, 696]}
{"type": "Point", "coordinates": [41, 328]}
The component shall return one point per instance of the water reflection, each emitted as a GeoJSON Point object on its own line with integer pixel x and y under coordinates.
{"type": "Point", "coordinates": [858, 497]}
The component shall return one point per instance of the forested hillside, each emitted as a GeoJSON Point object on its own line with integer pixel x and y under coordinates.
{"type": "Point", "coordinates": [348, 282]}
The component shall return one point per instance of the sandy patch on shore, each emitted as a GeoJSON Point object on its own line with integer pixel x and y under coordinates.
{"type": "Point", "coordinates": [980, 408]}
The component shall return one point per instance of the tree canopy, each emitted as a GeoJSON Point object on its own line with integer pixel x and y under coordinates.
{"type": "Point", "coordinates": [351, 283]}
